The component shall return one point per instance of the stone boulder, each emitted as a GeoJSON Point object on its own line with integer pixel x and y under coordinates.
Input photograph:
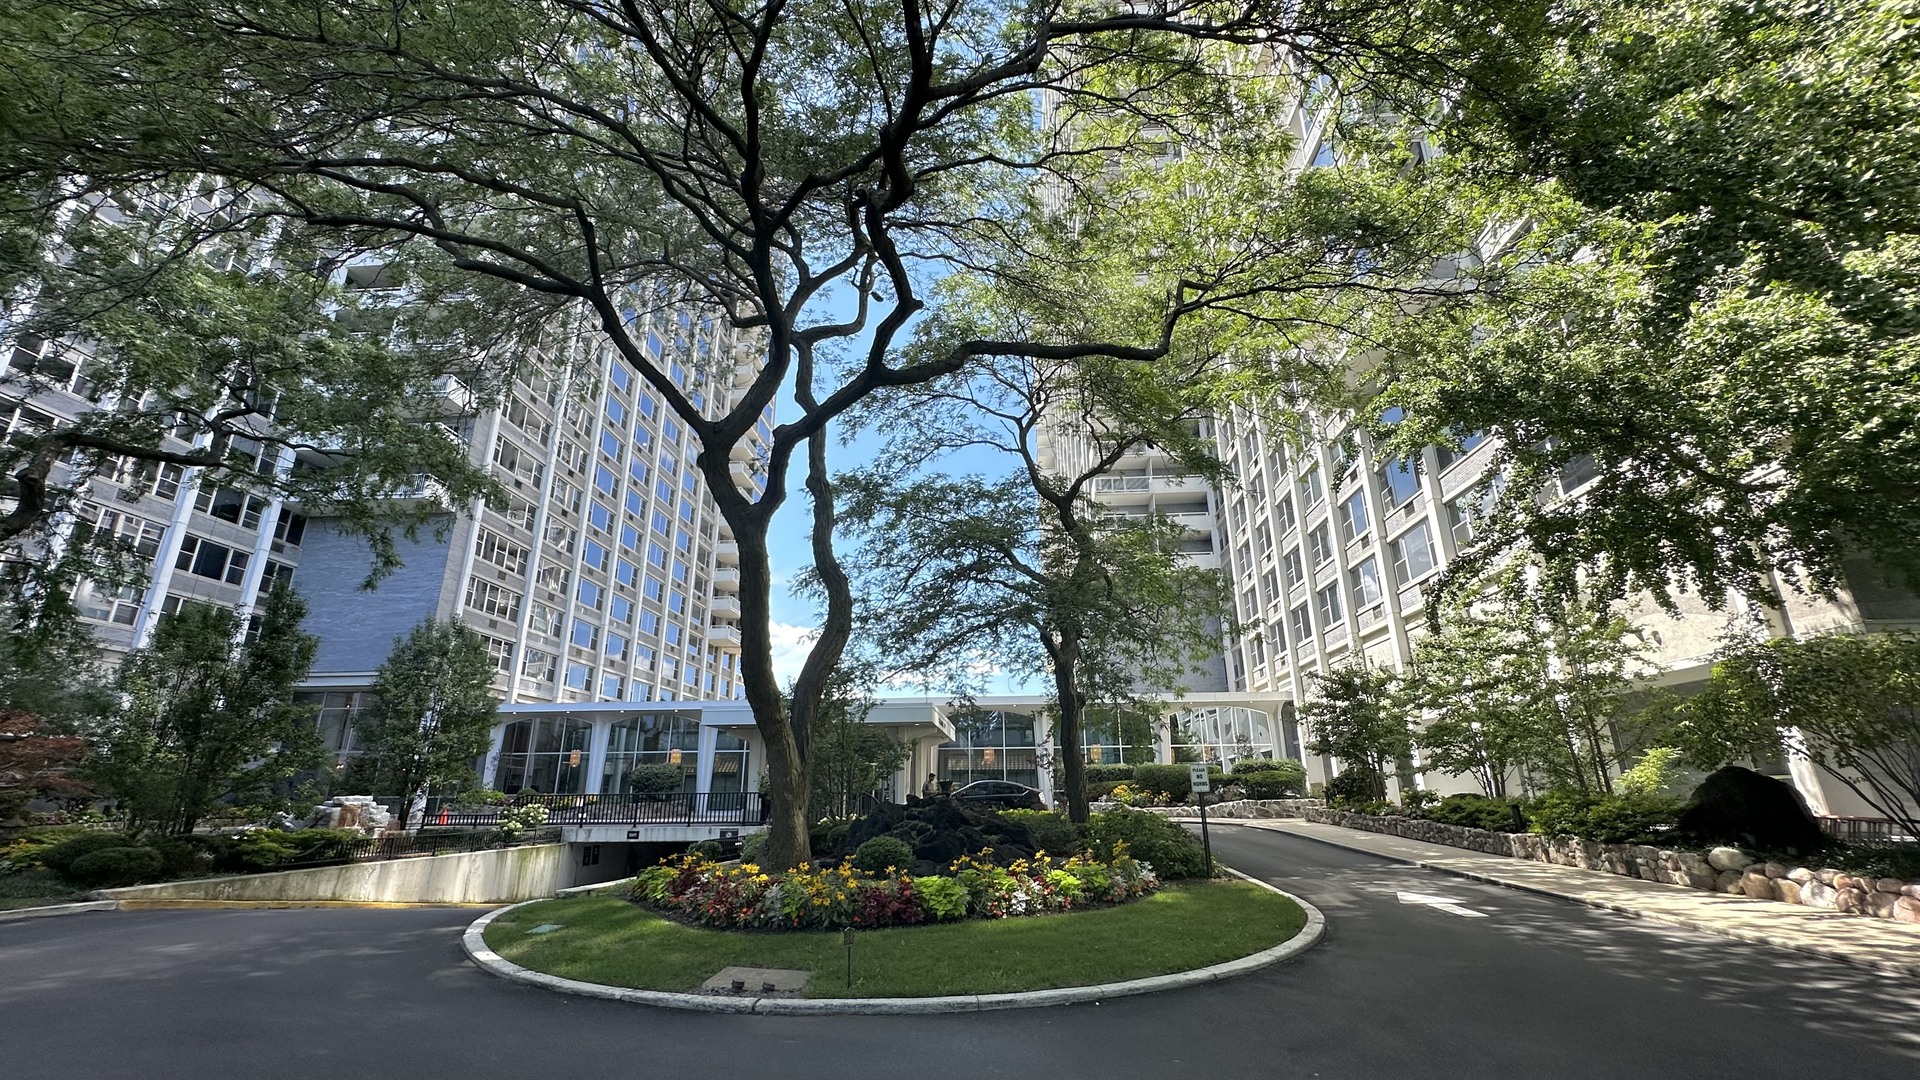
{"type": "Point", "coordinates": [1739, 806]}
{"type": "Point", "coordinates": [1728, 858]}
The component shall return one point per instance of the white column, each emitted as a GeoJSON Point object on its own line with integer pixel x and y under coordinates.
{"type": "Point", "coordinates": [597, 753]}
{"type": "Point", "coordinates": [262, 545]}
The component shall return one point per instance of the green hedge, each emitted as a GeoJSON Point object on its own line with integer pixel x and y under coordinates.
{"type": "Point", "coordinates": [1051, 831]}
{"type": "Point", "coordinates": [1171, 850]}
{"type": "Point", "coordinates": [1096, 774]}
{"type": "Point", "coordinates": [1271, 778]}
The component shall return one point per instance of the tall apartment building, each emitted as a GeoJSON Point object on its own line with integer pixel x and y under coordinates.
{"type": "Point", "coordinates": [604, 574]}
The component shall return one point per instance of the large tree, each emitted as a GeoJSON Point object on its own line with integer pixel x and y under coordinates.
{"type": "Point", "coordinates": [431, 715]}
{"type": "Point", "coordinates": [799, 170]}
{"type": "Point", "coordinates": [205, 714]}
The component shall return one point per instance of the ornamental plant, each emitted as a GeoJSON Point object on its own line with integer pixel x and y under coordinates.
{"type": "Point", "coordinates": [697, 889]}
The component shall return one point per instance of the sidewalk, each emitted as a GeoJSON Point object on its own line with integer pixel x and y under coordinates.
{"type": "Point", "coordinates": [1880, 944]}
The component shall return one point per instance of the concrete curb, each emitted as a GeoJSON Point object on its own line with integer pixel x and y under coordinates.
{"type": "Point", "coordinates": [1701, 925]}
{"type": "Point", "coordinates": [579, 889]}
{"type": "Point", "coordinates": [474, 941]}
{"type": "Point", "coordinates": [58, 909]}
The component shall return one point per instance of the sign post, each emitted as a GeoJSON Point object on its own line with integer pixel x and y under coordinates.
{"type": "Point", "coordinates": [1198, 781]}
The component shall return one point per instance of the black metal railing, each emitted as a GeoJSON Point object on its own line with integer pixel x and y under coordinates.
{"type": "Point", "coordinates": [334, 852]}
{"type": "Point", "coordinates": [675, 808]}
{"type": "Point", "coordinates": [1862, 830]}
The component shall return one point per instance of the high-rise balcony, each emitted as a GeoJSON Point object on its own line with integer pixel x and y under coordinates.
{"type": "Point", "coordinates": [724, 637]}
{"type": "Point", "coordinates": [726, 579]}
{"type": "Point", "coordinates": [726, 552]}
{"type": "Point", "coordinates": [724, 607]}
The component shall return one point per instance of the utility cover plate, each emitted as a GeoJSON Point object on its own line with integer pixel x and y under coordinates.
{"type": "Point", "coordinates": [785, 981]}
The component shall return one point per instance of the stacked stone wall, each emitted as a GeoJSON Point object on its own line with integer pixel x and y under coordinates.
{"type": "Point", "coordinates": [1723, 869]}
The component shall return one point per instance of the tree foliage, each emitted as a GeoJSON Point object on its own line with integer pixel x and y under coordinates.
{"type": "Point", "coordinates": [1849, 702]}
{"type": "Point", "coordinates": [1712, 305]}
{"type": "Point", "coordinates": [205, 714]}
{"type": "Point", "coordinates": [431, 713]}
{"type": "Point", "coordinates": [766, 165]}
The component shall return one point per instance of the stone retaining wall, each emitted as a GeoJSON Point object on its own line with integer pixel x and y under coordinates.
{"type": "Point", "coordinates": [1724, 869]}
{"type": "Point", "coordinates": [498, 876]}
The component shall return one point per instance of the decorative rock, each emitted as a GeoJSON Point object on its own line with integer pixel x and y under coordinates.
{"type": "Point", "coordinates": [352, 812]}
{"type": "Point", "coordinates": [1912, 890]}
{"type": "Point", "coordinates": [1727, 882]}
{"type": "Point", "coordinates": [1789, 890]}
{"type": "Point", "coordinates": [1775, 870]}
{"type": "Point", "coordinates": [1758, 886]}
{"type": "Point", "coordinates": [1844, 881]}
{"type": "Point", "coordinates": [1800, 874]}
{"type": "Point", "coordinates": [1851, 901]}
{"type": "Point", "coordinates": [1880, 905]}
{"type": "Point", "coordinates": [1728, 858]}
{"type": "Point", "coordinates": [1819, 895]}
{"type": "Point", "coordinates": [1826, 876]}
{"type": "Point", "coordinates": [1906, 909]}
{"type": "Point", "coordinates": [1888, 885]}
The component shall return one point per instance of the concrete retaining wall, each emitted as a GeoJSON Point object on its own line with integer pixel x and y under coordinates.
{"type": "Point", "coordinates": [501, 876]}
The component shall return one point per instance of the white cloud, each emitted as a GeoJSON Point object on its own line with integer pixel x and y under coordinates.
{"type": "Point", "coordinates": [790, 646]}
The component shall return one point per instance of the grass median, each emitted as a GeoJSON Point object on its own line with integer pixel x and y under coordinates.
{"type": "Point", "coordinates": [605, 939]}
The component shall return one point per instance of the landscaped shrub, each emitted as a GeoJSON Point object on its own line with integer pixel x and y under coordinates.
{"type": "Point", "coordinates": [940, 831]}
{"type": "Point", "coordinates": [60, 857]}
{"type": "Point", "coordinates": [753, 847]}
{"type": "Point", "coordinates": [1108, 773]}
{"type": "Point", "coordinates": [942, 899]}
{"type": "Point", "coordinates": [1353, 787]}
{"type": "Point", "coordinates": [1271, 778]}
{"type": "Point", "coordinates": [518, 819]}
{"type": "Point", "coordinates": [109, 868]}
{"type": "Point", "coordinates": [1894, 860]}
{"type": "Point", "coordinates": [1170, 782]}
{"type": "Point", "coordinates": [1607, 819]}
{"type": "Point", "coordinates": [707, 849]}
{"type": "Point", "coordinates": [655, 779]}
{"type": "Point", "coordinates": [1171, 850]}
{"type": "Point", "coordinates": [27, 851]}
{"type": "Point", "coordinates": [1473, 811]}
{"type": "Point", "coordinates": [1101, 790]}
{"type": "Point", "coordinates": [1051, 831]}
{"type": "Point", "coordinates": [825, 837]}
{"type": "Point", "coordinates": [881, 854]}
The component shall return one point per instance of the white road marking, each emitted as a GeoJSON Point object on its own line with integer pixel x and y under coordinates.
{"type": "Point", "coordinates": [1441, 903]}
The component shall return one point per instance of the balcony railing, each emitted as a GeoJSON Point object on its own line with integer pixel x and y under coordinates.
{"type": "Point", "coordinates": [1860, 830]}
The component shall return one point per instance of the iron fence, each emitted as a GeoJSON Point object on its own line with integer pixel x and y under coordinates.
{"type": "Point", "coordinates": [671, 808]}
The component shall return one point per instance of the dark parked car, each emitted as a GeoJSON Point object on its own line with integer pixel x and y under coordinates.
{"type": "Point", "coordinates": [1002, 794]}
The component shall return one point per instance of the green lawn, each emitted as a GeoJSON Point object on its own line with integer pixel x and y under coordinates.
{"type": "Point", "coordinates": [604, 939]}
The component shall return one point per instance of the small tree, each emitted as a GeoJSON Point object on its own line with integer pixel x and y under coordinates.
{"type": "Point", "coordinates": [1353, 716]}
{"type": "Point", "coordinates": [206, 714]}
{"type": "Point", "coordinates": [851, 758]}
{"type": "Point", "coordinates": [1849, 702]}
{"type": "Point", "coordinates": [432, 711]}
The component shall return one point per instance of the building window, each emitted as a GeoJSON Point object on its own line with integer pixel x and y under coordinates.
{"type": "Point", "coordinates": [1467, 515]}
{"type": "Point", "coordinates": [585, 635]}
{"type": "Point", "coordinates": [1366, 583]}
{"type": "Point", "coordinates": [547, 754]}
{"type": "Point", "coordinates": [1449, 456]}
{"type": "Point", "coordinates": [1294, 567]}
{"type": "Point", "coordinates": [1326, 603]}
{"type": "Point", "coordinates": [1413, 554]}
{"type": "Point", "coordinates": [1353, 517]}
{"type": "Point", "coordinates": [229, 505]}
{"type": "Point", "coordinates": [539, 666]}
{"type": "Point", "coordinates": [492, 600]}
{"type": "Point", "coordinates": [578, 675]}
{"type": "Point", "coordinates": [497, 550]}
{"type": "Point", "coordinates": [1320, 544]}
{"type": "Point", "coordinates": [590, 594]}
{"type": "Point", "coordinates": [1299, 627]}
{"type": "Point", "coordinates": [1399, 482]}
{"type": "Point", "coordinates": [501, 652]}
{"type": "Point", "coordinates": [338, 709]}
{"type": "Point", "coordinates": [1311, 489]}
{"type": "Point", "coordinates": [107, 604]}
{"type": "Point", "coordinates": [290, 529]}
{"type": "Point", "coordinates": [204, 558]}
{"type": "Point", "coordinates": [992, 744]}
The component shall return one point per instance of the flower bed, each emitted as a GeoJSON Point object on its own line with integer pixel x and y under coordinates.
{"type": "Point", "coordinates": [699, 890]}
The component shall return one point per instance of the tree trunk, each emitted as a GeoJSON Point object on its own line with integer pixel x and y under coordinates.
{"type": "Point", "coordinates": [1065, 654]}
